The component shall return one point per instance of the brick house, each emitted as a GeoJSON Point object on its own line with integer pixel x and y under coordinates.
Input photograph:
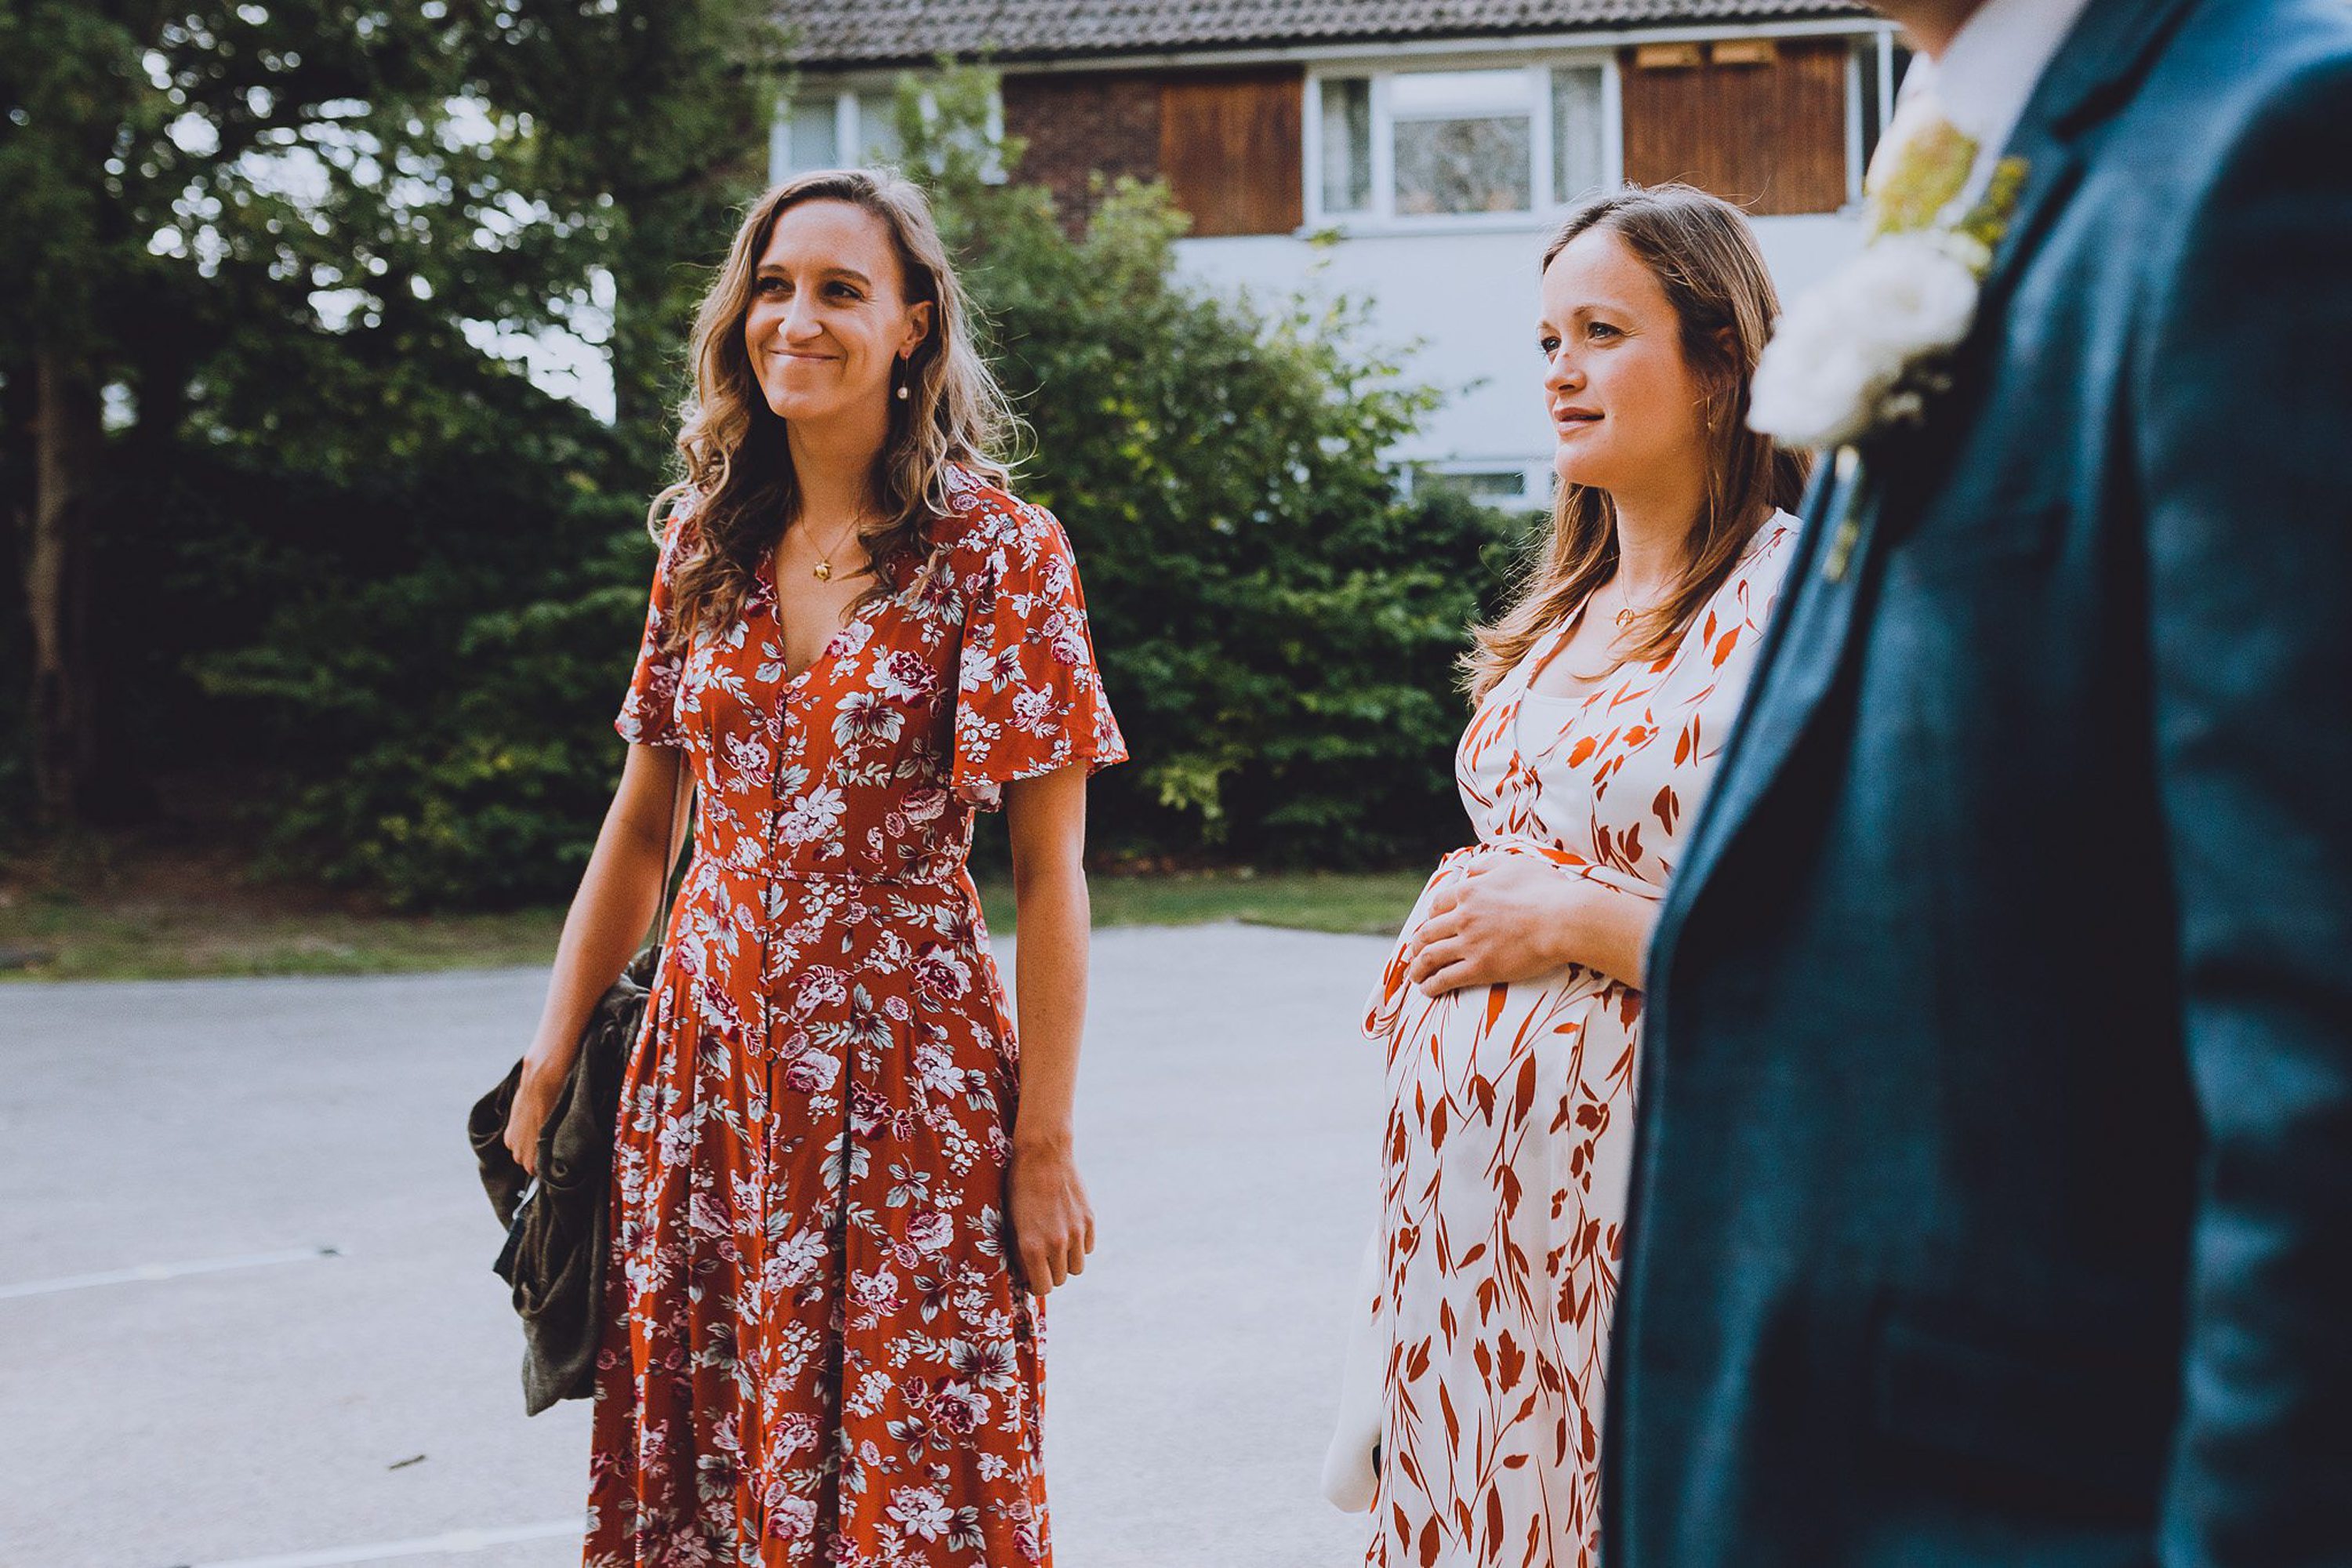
{"type": "Point", "coordinates": [1432, 142]}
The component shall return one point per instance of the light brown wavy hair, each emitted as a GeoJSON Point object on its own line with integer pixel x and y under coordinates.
{"type": "Point", "coordinates": [1703, 255]}
{"type": "Point", "coordinates": [738, 465]}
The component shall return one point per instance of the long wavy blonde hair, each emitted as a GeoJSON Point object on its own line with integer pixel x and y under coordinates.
{"type": "Point", "coordinates": [1703, 255]}
{"type": "Point", "coordinates": [738, 465]}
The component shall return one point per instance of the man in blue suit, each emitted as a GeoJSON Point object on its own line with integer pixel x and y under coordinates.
{"type": "Point", "coordinates": [1993, 1195]}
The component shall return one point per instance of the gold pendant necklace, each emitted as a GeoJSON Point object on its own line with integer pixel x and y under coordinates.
{"type": "Point", "coordinates": [822, 569]}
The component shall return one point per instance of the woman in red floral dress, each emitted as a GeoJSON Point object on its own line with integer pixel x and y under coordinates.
{"type": "Point", "coordinates": [837, 1183]}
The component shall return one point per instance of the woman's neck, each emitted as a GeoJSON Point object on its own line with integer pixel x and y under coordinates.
{"type": "Point", "coordinates": [1653, 529]}
{"type": "Point", "coordinates": [833, 463]}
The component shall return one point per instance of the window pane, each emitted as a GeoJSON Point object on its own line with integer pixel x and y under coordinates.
{"type": "Point", "coordinates": [1462, 165]}
{"type": "Point", "coordinates": [817, 139]}
{"type": "Point", "coordinates": [1492, 486]}
{"type": "Point", "coordinates": [1347, 144]}
{"type": "Point", "coordinates": [1453, 94]}
{"type": "Point", "coordinates": [1576, 131]}
{"type": "Point", "coordinates": [877, 128]}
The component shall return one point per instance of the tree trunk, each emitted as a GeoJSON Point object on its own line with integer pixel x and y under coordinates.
{"type": "Point", "coordinates": [67, 438]}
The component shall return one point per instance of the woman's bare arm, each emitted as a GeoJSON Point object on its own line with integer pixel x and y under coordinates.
{"type": "Point", "coordinates": [1052, 1224]}
{"type": "Point", "coordinates": [608, 917]}
{"type": "Point", "coordinates": [1512, 917]}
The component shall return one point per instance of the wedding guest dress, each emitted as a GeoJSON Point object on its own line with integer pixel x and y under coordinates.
{"type": "Point", "coordinates": [816, 1351]}
{"type": "Point", "coordinates": [1510, 1123]}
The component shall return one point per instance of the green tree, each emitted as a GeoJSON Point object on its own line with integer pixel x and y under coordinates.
{"type": "Point", "coordinates": [261, 230]}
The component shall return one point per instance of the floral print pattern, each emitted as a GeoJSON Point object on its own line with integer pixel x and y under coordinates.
{"type": "Point", "coordinates": [817, 1351]}
{"type": "Point", "coordinates": [1509, 1135]}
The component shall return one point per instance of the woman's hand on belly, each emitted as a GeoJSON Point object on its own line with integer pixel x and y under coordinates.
{"type": "Point", "coordinates": [1510, 918]}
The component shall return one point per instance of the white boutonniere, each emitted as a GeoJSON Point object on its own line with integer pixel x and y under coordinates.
{"type": "Point", "coordinates": [1868, 348]}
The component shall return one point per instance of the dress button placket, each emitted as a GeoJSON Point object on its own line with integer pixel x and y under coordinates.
{"type": "Point", "coordinates": [764, 890]}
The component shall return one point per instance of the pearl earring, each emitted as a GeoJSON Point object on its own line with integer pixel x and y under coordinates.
{"type": "Point", "coordinates": [902, 385]}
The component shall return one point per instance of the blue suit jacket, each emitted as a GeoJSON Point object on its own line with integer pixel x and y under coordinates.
{"type": "Point", "coordinates": [1993, 1189]}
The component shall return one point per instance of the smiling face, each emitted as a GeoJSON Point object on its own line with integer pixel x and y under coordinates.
{"type": "Point", "coordinates": [829, 318]}
{"type": "Point", "coordinates": [1625, 408]}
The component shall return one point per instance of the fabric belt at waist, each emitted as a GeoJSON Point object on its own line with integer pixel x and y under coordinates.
{"type": "Point", "coordinates": [952, 878]}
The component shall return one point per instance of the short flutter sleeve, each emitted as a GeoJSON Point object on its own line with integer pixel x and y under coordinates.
{"type": "Point", "coordinates": [649, 715]}
{"type": "Point", "coordinates": [1029, 698]}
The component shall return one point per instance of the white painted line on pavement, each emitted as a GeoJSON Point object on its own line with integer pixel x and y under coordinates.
{"type": "Point", "coordinates": [167, 1270]}
{"type": "Point", "coordinates": [377, 1552]}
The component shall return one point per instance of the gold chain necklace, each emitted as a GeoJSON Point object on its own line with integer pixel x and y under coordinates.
{"type": "Point", "coordinates": [822, 569]}
{"type": "Point", "coordinates": [1627, 613]}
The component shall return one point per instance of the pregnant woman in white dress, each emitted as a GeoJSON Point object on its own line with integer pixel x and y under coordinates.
{"type": "Point", "coordinates": [1511, 1009]}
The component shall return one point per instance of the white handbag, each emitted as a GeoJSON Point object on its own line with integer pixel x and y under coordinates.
{"type": "Point", "coordinates": [1350, 1471]}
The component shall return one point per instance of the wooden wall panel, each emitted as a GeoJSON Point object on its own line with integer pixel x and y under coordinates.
{"type": "Point", "coordinates": [1080, 124]}
{"type": "Point", "coordinates": [1230, 147]}
{"type": "Point", "coordinates": [1768, 137]}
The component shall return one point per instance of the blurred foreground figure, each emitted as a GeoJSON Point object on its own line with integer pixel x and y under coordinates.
{"type": "Point", "coordinates": [1992, 1199]}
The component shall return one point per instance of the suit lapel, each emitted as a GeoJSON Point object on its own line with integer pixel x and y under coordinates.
{"type": "Point", "coordinates": [2093, 74]}
{"type": "Point", "coordinates": [1802, 648]}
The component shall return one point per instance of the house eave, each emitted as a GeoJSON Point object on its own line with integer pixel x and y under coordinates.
{"type": "Point", "coordinates": [1833, 22]}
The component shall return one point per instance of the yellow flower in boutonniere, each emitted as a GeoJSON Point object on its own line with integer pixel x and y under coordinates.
{"type": "Point", "coordinates": [1988, 221]}
{"type": "Point", "coordinates": [1927, 173]}
{"type": "Point", "coordinates": [1866, 349]}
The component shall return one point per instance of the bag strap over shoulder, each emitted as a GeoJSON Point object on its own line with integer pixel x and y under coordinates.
{"type": "Point", "coordinates": [677, 832]}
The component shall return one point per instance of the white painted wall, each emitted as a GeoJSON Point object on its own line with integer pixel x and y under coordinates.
{"type": "Point", "coordinates": [1468, 297]}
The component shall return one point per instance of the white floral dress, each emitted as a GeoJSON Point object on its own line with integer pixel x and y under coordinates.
{"type": "Point", "coordinates": [1509, 1133]}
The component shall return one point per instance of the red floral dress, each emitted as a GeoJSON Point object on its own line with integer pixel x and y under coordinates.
{"type": "Point", "coordinates": [816, 1350]}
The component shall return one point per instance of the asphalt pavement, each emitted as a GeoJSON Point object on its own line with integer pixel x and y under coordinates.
{"type": "Point", "coordinates": [247, 1320]}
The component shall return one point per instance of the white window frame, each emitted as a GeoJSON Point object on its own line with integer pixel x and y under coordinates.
{"type": "Point", "coordinates": [1853, 126]}
{"type": "Point", "coordinates": [846, 92]}
{"type": "Point", "coordinates": [1535, 479]}
{"type": "Point", "coordinates": [1382, 218]}
{"type": "Point", "coordinates": [1881, 45]}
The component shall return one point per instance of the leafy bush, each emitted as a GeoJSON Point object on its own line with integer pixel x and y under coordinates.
{"type": "Point", "coordinates": [424, 690]}
{"type": "Point", "coordinates": [1277, 626]}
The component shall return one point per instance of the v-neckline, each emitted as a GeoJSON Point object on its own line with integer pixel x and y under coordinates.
{"type": "Point", "coordinates": [1554, 642]}
{"type": "Point", "coordinates": [1548, 648]}
{"type": "Point", "coordinates": [765, 575]}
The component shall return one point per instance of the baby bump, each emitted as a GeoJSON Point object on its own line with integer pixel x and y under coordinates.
{"type": "Point", "coordinates": [1525, 1086]}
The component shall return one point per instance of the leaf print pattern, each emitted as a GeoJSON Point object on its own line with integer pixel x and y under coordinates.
{"type": "Point", "coordinates": [817, 1353]}
{"type": "Point", "coordinates": [1509, 1135]}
